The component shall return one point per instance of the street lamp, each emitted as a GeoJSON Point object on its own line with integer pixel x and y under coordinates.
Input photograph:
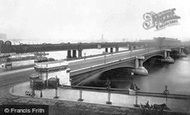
{"type": "Point", "coordinates": [132, 73]}
{"type": "Point", "coordinates": [148, 48]}
{"type": "Point", "coordinates": [80, 94]}
{"type": "Point", "coordinates": [133, 88]}
{"type": "Point", "coordinates": [105, 57]}
{"type": "Point", "coordinates": [136, 96]}
{"type": "Point", "coordinates": [84, 56]}
{"type": "Point", "coordinates": [166, 92]}
{"type": "Point", "coordinates": [56, 86]}
{"type": "Point", "coordinates": [108, 83]}
{"type": "Point", "coordinates": [33, 90]}
{"type": "Point", "coordinates": [33, 78]}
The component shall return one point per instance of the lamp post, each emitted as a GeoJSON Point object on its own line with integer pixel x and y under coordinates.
{"type": "Point", "coordinates": [105, 53]}
{"type": "Point", "coordinates": [148, 48]}
{"type": "Point", "coordinates": [132, 73]}
{"type": "Point", "coordinates": [84, 56]}
{"type": "Point", "coordinates": [134, 89]}
{"type": "Point", "coordinates": [136, 97]}
{"type": "Point", "coordinates": [33, 91]}
{"type": "Point", "coordinates": [108, 83]}
{"type": "Point", "coordinates": [33, 78]}
{"type": "Point", "coordinates": [56, 85]}
{"type": "Point", "coordinates": [130, 51]}
{"type": "Point", "coordinates": [80, 95]}
{"type": "Point", "coordinates": [166, 92]}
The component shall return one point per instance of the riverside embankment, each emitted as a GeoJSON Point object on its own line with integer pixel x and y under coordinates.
{"type": "Point", "coordinates": [94, 101]}
{"type": "Point", "coordinates": [63, 107]}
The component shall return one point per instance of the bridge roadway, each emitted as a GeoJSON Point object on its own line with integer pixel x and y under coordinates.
{"type": "Point", "coordinates": [85, 64]}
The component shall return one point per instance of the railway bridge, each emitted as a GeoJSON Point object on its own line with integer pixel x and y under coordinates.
{"type": "Point", "coordinates": [74, 50]}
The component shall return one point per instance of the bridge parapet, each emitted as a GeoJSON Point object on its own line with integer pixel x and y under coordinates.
{"type": "Point", "coordinates": [51, 66]}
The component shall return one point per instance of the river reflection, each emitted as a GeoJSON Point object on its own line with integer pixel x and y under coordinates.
{"type": "Point", "coordinates": [176, 76]}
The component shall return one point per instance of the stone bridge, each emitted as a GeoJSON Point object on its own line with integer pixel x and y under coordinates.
{"type": "Point", "coordinates": [79, 71]}
{"type": "Point", "coordinates": [133, 60]}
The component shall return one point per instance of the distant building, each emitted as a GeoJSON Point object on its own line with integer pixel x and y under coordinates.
{"type": "Point", "coordinates": [146, 41]}
{"type": "Point", "coordinates": [163, 41]}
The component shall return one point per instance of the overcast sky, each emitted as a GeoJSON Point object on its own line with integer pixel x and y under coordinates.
{"type": "Point", "coordinates": [87, 20]}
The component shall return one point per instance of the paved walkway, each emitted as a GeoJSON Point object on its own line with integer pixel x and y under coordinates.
{"type": "Point", "coordinates": [101, 97]}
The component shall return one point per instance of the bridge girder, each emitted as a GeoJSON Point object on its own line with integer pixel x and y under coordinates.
{"type": "Point", "coordinates": [26, 48]}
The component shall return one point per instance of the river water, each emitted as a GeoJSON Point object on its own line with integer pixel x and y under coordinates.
{"type": "Point", "coordinates": [176, 76]}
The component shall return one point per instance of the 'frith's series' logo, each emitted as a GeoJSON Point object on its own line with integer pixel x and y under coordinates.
{"type": "Point", "coordinates": [160, 20]}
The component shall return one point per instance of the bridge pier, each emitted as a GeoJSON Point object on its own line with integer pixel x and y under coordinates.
{"type": "Point", "coordinates": [74, 54]}
{"type": "Point", "coordinates": [139, 69]}
{"type": "Point", "coordinates": [131, 47]}
{"type": "Point", "coordinates": [116, 49]}
{"type": "Point", "coordinates": [181, 52]}
{"type": "Point", "coordinates": [111, 50]}
{"type": "Point", "coordinates": [167, 57]}
{"type": "Point", "coordinates": [79, 53]}
{"type": "Point", "coordinates": [134, 47]}
{"type": "Point", "coordinates": [68, 53]}
{"type": "Point", "coordinates": [106, 49]}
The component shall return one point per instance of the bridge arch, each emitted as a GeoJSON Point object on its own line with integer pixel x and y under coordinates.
{"type": "Point", "coordinates": [105, 74]}
{"type": "Point", "coordinates": [117, 68]}
{"type": "Point", "coordinates": [83, 77]}
{"type": "Point", "coordinates": [129, 67]}
{"type": "Point", "coordinates": [158, 56]}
